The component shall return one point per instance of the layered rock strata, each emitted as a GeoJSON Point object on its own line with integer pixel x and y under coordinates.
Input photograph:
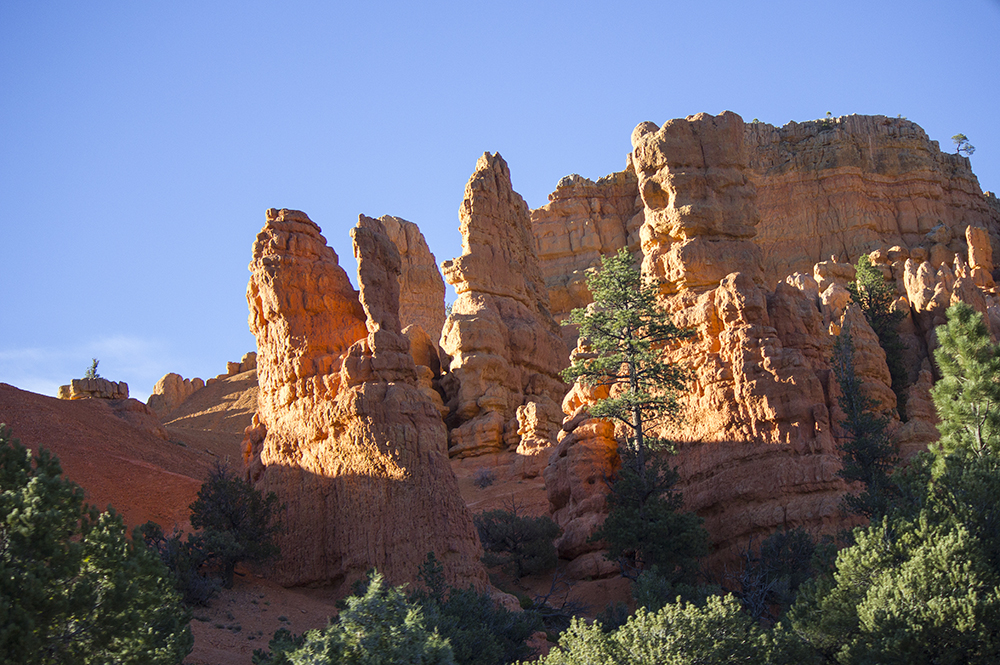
{"type": "Point", "coordinates": [854, 184]}
{"type": "Point", "coordinates": [352, 447]}
{"type": "Point", "coordinates": [505, 348]}
{"type": "Point", "coordinates": [583, 221]}
{"type": "Point", "coordinates": [834, 187]}
{"type": "Point", "coordinates": [700, 212]}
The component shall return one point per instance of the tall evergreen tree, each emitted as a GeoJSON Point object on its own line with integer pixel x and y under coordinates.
{"type": "Point", "coordinates": [967, 396]}
{"type": "Point", "coordinates": [875, 298]}
{"type": "Point", "coordinates": [868, 456]}
{"type": "Point", "coordinates": [629, 333]}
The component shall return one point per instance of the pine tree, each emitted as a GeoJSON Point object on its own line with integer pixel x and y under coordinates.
{"type": "Point", "coordinates": [73, 587]}
{"type": "Point", "coordinates": [237, 522]}
{"type": "Point", "coordinates": [967, 396]}
{"type": "Point", "coordinates": [628, 333]}
{"type": "Point", "coordinates": [875, 298]}
{"type": "Point", "coordinates": [868, 456]}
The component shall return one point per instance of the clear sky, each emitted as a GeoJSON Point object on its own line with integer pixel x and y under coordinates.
{"type": "Point", "coordinates": [141, 142]}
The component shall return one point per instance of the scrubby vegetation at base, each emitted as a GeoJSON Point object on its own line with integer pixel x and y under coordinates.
{"type": "Point", "coordinates": [73, 587]}
{"type": "Point", "coordinates": [237, 523]}
{"type": "Point", "coordinates": [435, 624]}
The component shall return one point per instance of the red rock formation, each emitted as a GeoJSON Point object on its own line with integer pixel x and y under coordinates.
{"type": "Point", "coordinates": [506, 349]}
{"type": "Point", "coordinates": [170, 391]}
{"type": "Point", "coordinates": [343, 435]}
{"type": "Point", "coordinates": [853, 184]}
{"type": "Point", "coordinates": [700, 206]}
{"type": "Point", "coordinates": [421, 287]}
{"type": "Point", "coordinates": [583, 221]}
{"type": "Point", "coordinates": [97, 388]}
{"type": "Point", "coordinates": [756, 443]}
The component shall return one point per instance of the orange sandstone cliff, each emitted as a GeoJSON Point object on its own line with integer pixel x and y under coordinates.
{"type": "Point", "coordinates": [505, 348]}
{"type": "Point", "coordinates": [757, 443]}
{"type": "Point", "coordinates": [352, 447]}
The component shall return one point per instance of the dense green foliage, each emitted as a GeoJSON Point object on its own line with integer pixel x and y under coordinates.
{"type": "Point", "coordinates": [91, 372]}
{"type": "Point", "coordinates": [868, 456]}
{"type": "Point", "coordinates": [380, 627]}
{"type": "Point", "coordinates": [521, 545]}
{"type": "Point", "coordinates": [73, 588]}
{"type": "Point", "coordinates": [920, 586]}
{"type": "Point", "coordinates": [479, 631]}
{"type": "Point", "coordinates": [967, 396]}
{"type": "Point", "coordinates": [717, 631]}
{"type": "Point", "coordinates": [922, 583]}
{"type": "Point", "coordinates": [875, 298]}
{"type": "Point", "coordinates": [237, 522]}
{"type": "Point", "coordinates": [380, 624]}
{"type": "Point", "coordinates": [771, 576]}
{"type": "Point", "coordinates": [629, 333]}
{"type": "Point", "coordinates": [185, 560]}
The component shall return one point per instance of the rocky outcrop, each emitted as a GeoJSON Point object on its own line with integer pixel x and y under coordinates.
{"type": "Point", "coordinates": [170, 391]}
{"type": "Point", "coordinates": [421, 287]}
{"type": "Point", "coordinates": [854, 184]}
{"type": "Point", "coordinates": [94, 388]}
{"type": "Point", "coordinates": [757, 443]}
{"type": "Point", "coordinates": [700, 206]}
{"type": "Point", "coordinates": [583, 221]}
{"type": "Point", "coordinates": [505, 348]}
{"type": "Point", "coordinates": [345, 437]}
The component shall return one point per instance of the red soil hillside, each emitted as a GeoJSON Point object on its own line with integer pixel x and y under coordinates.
{"type": "Point", "coordinates": [144, 476]}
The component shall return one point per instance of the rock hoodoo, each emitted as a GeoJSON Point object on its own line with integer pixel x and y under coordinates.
{"type": "Point", "coordinates": [700, 209]}
{"type": "Point", "coordinates": [505, 348]}
{"type": "Point", "coordinates": [344, 436]}
{"type": "Point", "coordinates": [421, 287]}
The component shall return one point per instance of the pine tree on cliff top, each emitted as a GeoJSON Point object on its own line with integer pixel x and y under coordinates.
{"type": "Point", "coordinates": [628, 333]}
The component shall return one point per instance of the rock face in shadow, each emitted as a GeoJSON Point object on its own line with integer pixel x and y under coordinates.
{"type": "Point", "coordinates": [343, 434]}
{"type": "Point", "coordinates": [506, 350]}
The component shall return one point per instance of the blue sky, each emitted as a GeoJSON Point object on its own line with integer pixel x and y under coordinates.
{"type": "Point", "coordinates": [141, 142]}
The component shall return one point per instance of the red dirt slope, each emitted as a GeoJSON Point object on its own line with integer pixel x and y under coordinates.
{"type": "Point", "coordinates": [145, 477]}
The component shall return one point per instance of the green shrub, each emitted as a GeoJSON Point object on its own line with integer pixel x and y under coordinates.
{"type": "Point", "coordinates": [73, 587]}
{"type": "Point", "coordinates": [237, 522]}
{"type": "Point", "coordinates": [183, 559]}
{"type": "Point", "coordinates": [679, 634]}
{"type": "Point", "coordinates": [380, 627]}
{"type": "Point", "coordinates": [875, 298]}
{"type": "Point", "coordinates": [521, 545]}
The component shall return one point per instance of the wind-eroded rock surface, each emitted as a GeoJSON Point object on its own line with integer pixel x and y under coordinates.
{"type": "Point", "coordinates": [850, 185]}
{"type": "Point", "coordinates": [344, 436]}
{"type": "Point", "coordinates": [505, 348]}
{"type": "Point", "coordinates": [757, 444]}
{"type": "Point", "coordinates": [583, 221]}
